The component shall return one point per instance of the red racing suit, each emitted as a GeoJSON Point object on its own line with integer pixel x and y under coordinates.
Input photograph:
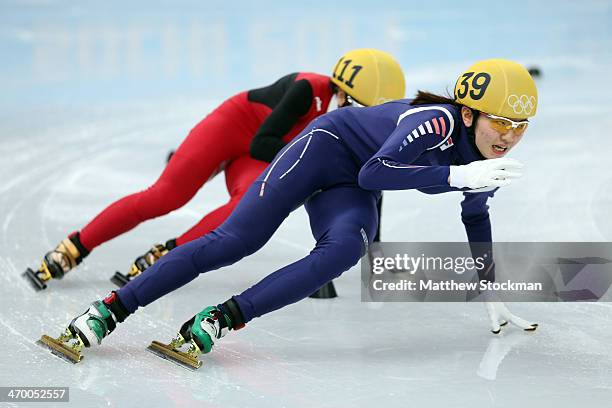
{"type": "Point", "coordinates": [239, 137]}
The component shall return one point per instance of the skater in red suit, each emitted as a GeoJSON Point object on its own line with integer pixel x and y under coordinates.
{"type": "Point", "coordinates": [240, 137]}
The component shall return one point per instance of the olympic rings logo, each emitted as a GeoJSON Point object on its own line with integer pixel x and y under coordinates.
{"type": "Point", "coordinates": [522, 104]}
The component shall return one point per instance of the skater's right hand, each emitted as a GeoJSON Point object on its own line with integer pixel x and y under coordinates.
{"type": "Point", "coordinates": [485, 173]}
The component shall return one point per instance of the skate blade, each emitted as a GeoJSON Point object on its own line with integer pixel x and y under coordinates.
{"type": "Point", "coordinates": [119, 279]}
{"type": "Point", "coordinates": [178, 357]}
{"type": "Point", "coordinates": [34, 280]}
{"type": "Point", "coordinates": [60, 349]}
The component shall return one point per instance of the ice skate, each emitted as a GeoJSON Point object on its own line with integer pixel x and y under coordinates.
{"type": "Point", "coordinates": [87, 329]}
{"type": "Point", "coordinates": [66, 256]}
{"type": "Point", "coordinates": [143, 262]}
{"type": "Point", "coordinates": [196, 337]}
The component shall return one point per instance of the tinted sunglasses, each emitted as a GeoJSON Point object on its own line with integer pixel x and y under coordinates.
{"type": "Point", "coordinates": [504, 125]}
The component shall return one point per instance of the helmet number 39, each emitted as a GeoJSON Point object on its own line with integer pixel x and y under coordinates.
{"type": "Point", "coordinates": [476, 87]}
{"type": "Point", "coordinates": [340, 76]}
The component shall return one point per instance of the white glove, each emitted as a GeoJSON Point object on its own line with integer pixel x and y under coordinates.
{"type": "Point", "coordinates": [485, 173]}
{"type": "Point", "coordinates": [499, 315]}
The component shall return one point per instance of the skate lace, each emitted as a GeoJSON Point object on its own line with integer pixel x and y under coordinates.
{"type": "Point", "coordinates": [63, 259]}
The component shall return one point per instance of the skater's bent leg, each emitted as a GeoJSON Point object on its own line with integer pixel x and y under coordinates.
{"type": "Point", "coordinates": [343, 220]}
{"type": "Point", "coordinates": [239, 175]}
{"type": "Point", "coordinates": [195, 161]}
{"type": "Point", "coordinates": [246, 230]}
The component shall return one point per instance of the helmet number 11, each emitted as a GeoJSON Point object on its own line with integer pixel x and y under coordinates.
{"type": "Point", "coordinates": [478, 85]}
{"type": "Point", "coordinates": [340, 76]}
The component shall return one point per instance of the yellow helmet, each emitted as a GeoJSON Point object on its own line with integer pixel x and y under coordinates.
{"type": "Point", "coordinates": [369, 76]}
{"type": "Point", "coordinates": [498, 87]}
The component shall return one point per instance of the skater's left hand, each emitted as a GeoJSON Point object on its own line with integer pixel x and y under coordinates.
{"type": "Point", "coordinates": [499, 316]}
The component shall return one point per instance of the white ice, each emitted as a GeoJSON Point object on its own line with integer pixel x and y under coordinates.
{"type": "Point", "coordinates": [92, 101]}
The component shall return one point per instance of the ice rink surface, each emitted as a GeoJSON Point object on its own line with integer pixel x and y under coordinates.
{"type": "Point", "coordinates": [94, 98]}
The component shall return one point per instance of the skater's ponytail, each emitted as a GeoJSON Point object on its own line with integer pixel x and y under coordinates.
{"type": "Point", "coordinates": [428, 98]}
